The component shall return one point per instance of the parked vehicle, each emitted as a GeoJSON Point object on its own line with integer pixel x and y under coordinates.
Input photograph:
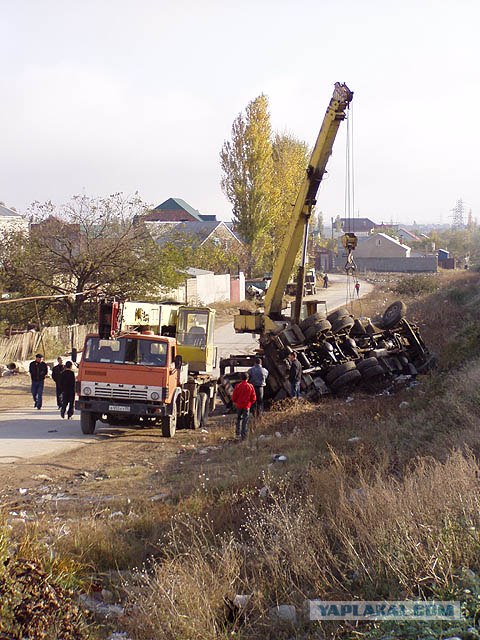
{"type": "Point", "coordinates": [149, 364]}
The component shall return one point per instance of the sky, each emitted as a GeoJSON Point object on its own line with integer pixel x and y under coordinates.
{"type": "Point", "coordinates": [104, 96]}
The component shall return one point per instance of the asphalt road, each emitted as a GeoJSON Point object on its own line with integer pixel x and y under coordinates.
{"type": "Point", "coordinates": [29, 433]}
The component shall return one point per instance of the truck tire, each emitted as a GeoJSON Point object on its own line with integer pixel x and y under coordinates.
{"type": "Point", "coordinates": [318, 327]}
{"type": "Point", "coordinates": [169, 423]}
{"type": "Point", "coordinates": [202, 409]}
{"type": "Point", "coordinates": [337, 315]}
{"type": "Point", "coordinates": [339, 370]}
{"type": "Point", "coordinates": [372, 372]}
{"type": "Point", "coordinates": [313, 319]}
{"type": "Point", "coordinates": [367, 363]}
{"type": "Point", "coordinates": [87, 422]}
{"type": "Point", "coordinates": [347, 379]}
{"type": "Point", "coordinates": [394, 313]}
{"type": "Point", "coordinates": [343, 325]}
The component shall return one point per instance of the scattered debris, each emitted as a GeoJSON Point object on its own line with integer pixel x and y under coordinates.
{"type": "Point", "coordinates": [159, 497]}
{"type": "Point", "coordinates": [283, 613]}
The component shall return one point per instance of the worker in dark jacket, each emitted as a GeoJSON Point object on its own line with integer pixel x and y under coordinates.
{"type": "Point", "coordinates": [67, 384]}
{"type": "Point", "coordinates": [57, 377]}
{"type": "Point", "coordinates": [294, 374]}
{"type": "Point", "coordinates": [243, 397]}
{"type": "Point", "coordinates": [38, 372]}
{"type": "Point", "coordinates": [257, 376]}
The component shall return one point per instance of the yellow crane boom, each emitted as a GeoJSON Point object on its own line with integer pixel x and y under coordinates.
{"type": "Point", "coordinates": [306, 199]}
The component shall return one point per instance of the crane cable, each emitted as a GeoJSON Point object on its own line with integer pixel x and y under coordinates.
{"type": "Point", "coordinates": [350, 266]}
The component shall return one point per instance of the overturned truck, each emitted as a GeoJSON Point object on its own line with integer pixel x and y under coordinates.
{"type": "Point", "coordinates": [337, 352]}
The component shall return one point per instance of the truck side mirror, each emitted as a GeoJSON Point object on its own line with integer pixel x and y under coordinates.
{"type": "Point", "coordinates": [74, 354]}
{"type": "Point", "coordinates": [178, 362]}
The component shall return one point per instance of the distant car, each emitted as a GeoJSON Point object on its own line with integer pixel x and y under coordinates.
{"type": "Point", "coordinates": [254, 292]}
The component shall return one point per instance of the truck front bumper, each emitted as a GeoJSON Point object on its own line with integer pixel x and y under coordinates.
{"type": "Point", "coordinates": [112, 407]}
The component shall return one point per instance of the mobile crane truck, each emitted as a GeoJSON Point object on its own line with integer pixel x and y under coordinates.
{"type": "Point", "coordinates": [148, 365]}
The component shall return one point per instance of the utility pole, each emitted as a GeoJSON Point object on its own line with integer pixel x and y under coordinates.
{"type": "Point", "coordinates": [458, 215]}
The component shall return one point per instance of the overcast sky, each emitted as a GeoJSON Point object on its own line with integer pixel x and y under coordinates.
{"type": "Point", "coordinates": [114, 95]}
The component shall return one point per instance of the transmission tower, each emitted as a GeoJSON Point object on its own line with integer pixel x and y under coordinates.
{"type": "Point", "coordinates": [458, 213]}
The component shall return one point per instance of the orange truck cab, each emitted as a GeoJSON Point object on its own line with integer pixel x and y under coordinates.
{"type": "Point", "coordinates": [145, 378]}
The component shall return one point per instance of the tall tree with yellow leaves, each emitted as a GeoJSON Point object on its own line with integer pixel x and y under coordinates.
{"type": "Point", "coordinates": [248, 177]}
{"type": "Point", "coordinates": [261, 175]}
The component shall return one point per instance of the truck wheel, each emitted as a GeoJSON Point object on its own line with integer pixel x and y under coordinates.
{"type": "Point", "coordinates": [339, 370]}
{"type": "Point", "coordinates": [313, 319]}
{"type": "Point", "coordinates": [337, 315]}
{"type": "Point", "coordinates": [343, 325]}
{"type": "Point", "coordinates": [169, 424]}
{"type": "Point", "coordinates": [394, 313]}
{"type": "Point", "coordinates": [372, 372]}
{"type": "Point", "coordinates": [202, 409]}
{"type": "Point", "coordinates": [348, 378]}
{"type": "Point", "coordinates": [367, 363]}
{"type": "Point", "coordinates": [319, 327]}
{"type": "Point", "coordinates": [87, 422]}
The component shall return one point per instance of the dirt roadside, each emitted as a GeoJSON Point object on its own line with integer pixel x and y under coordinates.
{"type": "Point", "coordinates": [133, 462]}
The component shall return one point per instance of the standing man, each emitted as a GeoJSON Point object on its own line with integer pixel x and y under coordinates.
{"type": "Point", "coordinates": [294, 374]}
{"type": "Point", "coordinates": [67, 383]}
{"type": "Point", "coordinates": [38, 371]}
{"type": "Point", "coordinates": [243, 397]}
{"type": "Point", "coordinates": [258, 378]}
{"type": "Point", "coordinates": [325, 281]}
{"type": "Point", "coordinates": [357, 288]}
{"type": "Point", "coordinates": [56, 376]}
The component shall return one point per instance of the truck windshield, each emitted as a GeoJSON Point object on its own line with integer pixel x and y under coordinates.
{"type": "Point", "coordinates": [126, 351]}
{"type": "Point", "coordinates": [192, 327]}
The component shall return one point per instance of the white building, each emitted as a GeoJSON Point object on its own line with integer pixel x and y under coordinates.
{"type": "Point", "coordinates": [11, 220]}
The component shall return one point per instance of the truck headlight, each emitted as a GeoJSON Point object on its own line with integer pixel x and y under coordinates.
{"type": "Point", "coordinates": [155, 395]}
{"type": "Point", "coordinates": [87, 391]}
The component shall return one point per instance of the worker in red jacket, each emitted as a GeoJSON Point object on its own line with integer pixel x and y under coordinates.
{"type": "Point", "coordinates": [243, 397]}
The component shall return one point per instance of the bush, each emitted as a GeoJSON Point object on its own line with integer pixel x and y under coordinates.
{"type": "Point", "coordinates": [417, 285]}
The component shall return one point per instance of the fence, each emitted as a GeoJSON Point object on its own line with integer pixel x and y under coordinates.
{"type": "Point", "coordinates": [51, 340]}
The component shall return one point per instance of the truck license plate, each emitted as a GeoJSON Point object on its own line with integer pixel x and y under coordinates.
{"type": "Point", "coordinates": [118, 407]}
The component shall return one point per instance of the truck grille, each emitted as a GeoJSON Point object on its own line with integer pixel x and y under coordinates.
{"type": "Point", "coordinates": [120, 392]}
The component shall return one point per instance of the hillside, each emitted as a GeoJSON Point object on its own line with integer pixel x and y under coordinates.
{"type": "Point", "coordinates": [377, 499]}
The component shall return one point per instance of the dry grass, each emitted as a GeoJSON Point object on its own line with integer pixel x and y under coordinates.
{"type": "Point", "coordinates": [392, 515]}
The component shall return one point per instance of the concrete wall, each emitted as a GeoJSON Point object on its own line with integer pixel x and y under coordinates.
{"type": "Point", "coordinates": [426, 264]}
{"type": "Point", "coordinates": [208, 288]}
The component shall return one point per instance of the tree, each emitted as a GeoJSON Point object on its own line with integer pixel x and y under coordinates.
{"type": "Point", "coordinates": [290, 161]}
{"type": "Point", "coordinates": [247, 180]}
{"type": "Point", "coordinates": [261, 176]}
{"type": "Point", "coordinates": [87, 249]}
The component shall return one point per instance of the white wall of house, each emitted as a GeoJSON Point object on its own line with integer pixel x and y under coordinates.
{"type": "Point", "coordinates": [379, 245]}
{"type": "Point", "coordinates": [9, 224]}
{"type": "Point", "coordinates": [204, 288]}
